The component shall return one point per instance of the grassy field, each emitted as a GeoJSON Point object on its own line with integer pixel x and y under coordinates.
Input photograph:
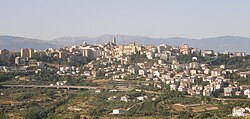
{"type": "Point", "coordinates": [178, 107]}
{"type": "Point", "coordinates": [3, 116]}
{"type": "Point", "coordinates": [204, 108]}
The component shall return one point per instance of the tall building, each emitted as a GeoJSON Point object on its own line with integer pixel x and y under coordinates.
{"type": "Point", "coordinates": [27, 52]}
{"type": "Point", "coordinates": [4, 52]}
{"type": "Point", "coordinates": [87, 53]}
{"type": "Point", "coordinates": [62, 55]}
{"type": "Point", "coordinates": [114, 40]}
{"type": "Point", "coordinates": [5, 55]}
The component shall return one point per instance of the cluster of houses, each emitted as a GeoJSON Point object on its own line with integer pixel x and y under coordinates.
{"type": "Point", "coordinates": [115, 62]}
{"type": "Point", "coordinates": [180, 77]}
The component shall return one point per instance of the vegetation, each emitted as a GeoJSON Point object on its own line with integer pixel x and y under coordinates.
{"type": "Point", "coordinates": [243, 81]}
{"type": "Point", "coordinates": [138, 58]}
{"type": "Point", "coordinates": [241, 63]}
{"type": "Point", "coordinates": [5, 76]}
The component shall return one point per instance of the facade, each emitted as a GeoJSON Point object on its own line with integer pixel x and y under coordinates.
{"type": "Point", "coordinates": [126, 49]}
{"type": "Point", "coordinates": [119, 111]}
{"type": "Point", "coordinates": [91, 53]}
{"type": "Point", "coordinates": [244, 74]}
{"type": "Point", "coordinates": [194, 65]}
{"type": "Point", "coordinates": [207, 53]}
{"type": "Point", "coordinates": [27, 52]}
{"type": "Point", "coordinates": [230, 91]}
{"type": "Point", "coordinates": [62, 54]}
{"type": "Point", "coordinates": [185, 49]}
{"type": "Point", "coordinates": [240, 54]}
{"type": "Point", "coordinates": [240, 112]}
{"type": "Point", "coordinates": [5, 55]}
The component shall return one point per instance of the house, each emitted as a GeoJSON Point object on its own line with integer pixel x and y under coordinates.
{"type": "Point", "coordinates": [244, 74]}
{"type": "Point", "coordinates": [247, 93]}
{"type": "Point", "coordinates": [156, 73]}
{"type": "Point", "coordinates": [193, 72]}
{"type": "Point", "coordinates": [173, 87]}
{"type": "Point", "coordinates": [240, 112]}
{"type": "Point", "coordinates": [61, 83]}
{"type": "Point", "coordinates": [132, 70]}
{"type": "Point", "coordinates": [141, 98]}
{"type": "Point", "coordinates": [238, 93]}
{"type": "Point", "coordinates": [99, 90]}
{"type": "Point", "coordinates": [112, 98]}
{"type": "Point", "coordinates": [207, 53]}
{"type": "Point", "coordinates": [119, 111]}
{"type": "Point", "coordinates": [240, 54]}
{"type": "Point", "coordinates": [207, 92]}
{"type": "Point", "coordinates": [206, 71]}
{"type": "Point", "coordinates": [230, 91]}
{"type": "Point", "coordinates": [184, 49]}
{"type": "Point", "coordinates": [182, 89]}
{"type": "Point", "coordinates": [216, 72]}
{"type": "Point", "coordinates": [142, 72]}
{"type": "Point", "coordinates": [124, 98]}
{"type": "Point", "coordinates": [204, 66]}
{"type": "Point", "coordinates": [193, 92]}
{"type": "Point", "coordinates": [244, 87]}
{"type": "Point", "coordinates": [194, 65]}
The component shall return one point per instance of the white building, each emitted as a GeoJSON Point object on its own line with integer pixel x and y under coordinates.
{"type": "Point", "coordinates": [240, 112]}
{"type": "Point", "coordinates": [119, 111]}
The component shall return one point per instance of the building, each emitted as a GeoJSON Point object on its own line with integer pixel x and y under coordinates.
{"type": "Point", "coordinates": [126, 49]}
{"type": "Point", "coordinates": [21, 61]}
{"type": "Point", "coordinates": [247, 93]}
{"type": "Point", "coordinates": [87, 53]}
{"type": "Point", "coordinates": [244, 74]}
{"type": "Point", "coordinates": [91, 52]}
{"type": "Point", "coordinates": [194, 65]}
{"type": "Point", "coordinates": [119, 111]}
{"type": "Point", "coordinates": [240, 112]}
{"type": "Point", "coordinates": [27, 52]}
{"type": "Point", "coordinates": [5, 55]}
{"type": "Point", "coordinates": [230, 91]}
{"type": "Point", "coordinates": [207, 53]}
{"type": "Point", "coordinates": [240, 54]}
{"type": "Point", "coordinates": [62, 54]}
{"type": "Point", "coordinates": [216, 72]}
{"type": "Point", "coordinates": [114, 40]}
{"type": "Point", "coordinates": [185, 49]}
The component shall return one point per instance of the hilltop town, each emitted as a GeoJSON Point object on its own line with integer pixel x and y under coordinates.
{"type": "Point", "coordinates": [124, 81]}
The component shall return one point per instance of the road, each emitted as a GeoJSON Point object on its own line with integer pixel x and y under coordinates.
{"type": "Point", "coordinates": [56, 87]}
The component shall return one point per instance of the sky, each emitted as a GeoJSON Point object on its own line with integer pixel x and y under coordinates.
{"type": "Point", "coordinates": [49, 19]}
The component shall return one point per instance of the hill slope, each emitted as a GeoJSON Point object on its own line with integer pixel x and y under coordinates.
{"type": "Point", "coordinates": [16, 43]}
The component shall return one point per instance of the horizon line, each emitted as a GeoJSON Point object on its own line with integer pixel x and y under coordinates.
{"type": "Point", "coordinates": [33, 38]}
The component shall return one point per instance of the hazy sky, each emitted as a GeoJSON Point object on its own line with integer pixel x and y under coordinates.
{"type": "Point", "coordinates": [49, 19]}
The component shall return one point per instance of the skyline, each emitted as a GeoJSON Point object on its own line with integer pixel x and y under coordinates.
{"type": "Point", "coordinates": [47, 20]}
